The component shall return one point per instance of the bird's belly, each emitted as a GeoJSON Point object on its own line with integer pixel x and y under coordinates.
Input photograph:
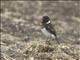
{"type": "Point", "coordinates": [45, 32]}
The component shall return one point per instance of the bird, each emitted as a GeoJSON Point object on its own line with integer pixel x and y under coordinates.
{"type": "Point", "coordinates": [48, 29]}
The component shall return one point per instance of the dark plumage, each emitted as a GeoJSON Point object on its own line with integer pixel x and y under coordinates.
{"type": "Point", "coordinates": [47, 28]}
{"type": "Point", "coordinates": [45, 19]}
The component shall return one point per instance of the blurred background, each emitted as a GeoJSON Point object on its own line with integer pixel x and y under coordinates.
{"type": "Point", "coordinates": [21, 22]}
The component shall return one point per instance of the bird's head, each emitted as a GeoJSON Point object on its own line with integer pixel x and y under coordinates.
{"type": "Point", "coordinates": [45, 20]}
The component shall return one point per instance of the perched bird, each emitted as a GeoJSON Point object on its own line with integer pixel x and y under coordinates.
{"type": "Point", "coordinates": [48, 28]}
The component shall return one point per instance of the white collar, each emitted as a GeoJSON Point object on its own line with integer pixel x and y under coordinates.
{"type": "Point", "coordinates": [48, 22]}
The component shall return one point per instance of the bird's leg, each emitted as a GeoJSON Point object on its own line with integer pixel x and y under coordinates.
{"type": "Point", "coordinates": [57, 40]}
{"type": "Point", "coordinates": [48, 41]}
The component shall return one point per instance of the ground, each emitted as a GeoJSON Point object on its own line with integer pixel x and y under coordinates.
{"type": "Point", "coordinates": [21, 38]}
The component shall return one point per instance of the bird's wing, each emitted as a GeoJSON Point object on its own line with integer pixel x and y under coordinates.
{"type": "Point", "coordinates": [51, 29]}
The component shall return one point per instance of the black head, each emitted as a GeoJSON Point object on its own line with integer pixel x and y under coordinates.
{"type": "Point", "coordinates": [45, 19]}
